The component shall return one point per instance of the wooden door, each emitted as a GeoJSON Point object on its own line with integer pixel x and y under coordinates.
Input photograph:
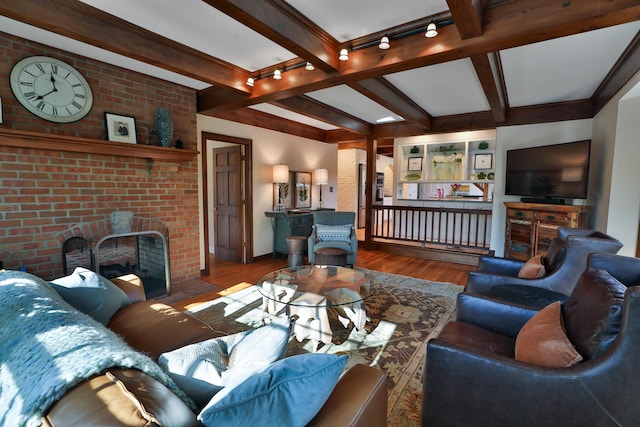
{"type": "Point", "coordinates": [228, 203]}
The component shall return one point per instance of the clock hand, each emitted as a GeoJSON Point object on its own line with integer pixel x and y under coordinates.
{"type": "Point", "coordinates": [53, 82]}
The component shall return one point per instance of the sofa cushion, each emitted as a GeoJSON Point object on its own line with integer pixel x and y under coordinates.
{"type": "Point", "coordinates": [155, 328]}
{"type": "Point", "coordinates": [542, 341]}
{"type": "Point", "coordinates": [203, 369]}
{"type": "Point", "coordinates": [478, 339]}
{"type": "Point", "coordinates": [289, 392]}
{"type": "Point", "coordinates": [533, 268]}
{"type": "Point", "coordinates": [593, 313]}
{"type": "Point", "coordinates": [91, 293]}
{"type": "Point", "coordinates": [335, 233]}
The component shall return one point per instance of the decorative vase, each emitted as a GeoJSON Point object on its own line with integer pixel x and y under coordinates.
{"type": "Point", "coordinates": [165, 127]}
{"type": "Point", "coordinates": [121, 222]}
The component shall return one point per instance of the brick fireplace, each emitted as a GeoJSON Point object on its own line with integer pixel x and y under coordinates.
{"type": "Point", "coordinates": [46, 190]}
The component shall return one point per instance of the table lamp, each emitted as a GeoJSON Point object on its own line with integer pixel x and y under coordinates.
{"type": "Point", "coordinates": [281, 177]}
{"type": "Point", "coordinates": [321, 177]}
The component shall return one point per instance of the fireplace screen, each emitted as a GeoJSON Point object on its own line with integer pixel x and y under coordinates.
{"type": "Point", "coordinates": [143, 253]}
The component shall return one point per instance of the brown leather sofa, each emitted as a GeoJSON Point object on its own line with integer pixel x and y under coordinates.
{"type": "Point", "coordinates": [128, 397]}
{"type": "Point", "coordinates": [473, 378]}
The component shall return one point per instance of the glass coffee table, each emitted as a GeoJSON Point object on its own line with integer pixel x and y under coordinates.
{"type": "Point", "coordinates": [306, 294]}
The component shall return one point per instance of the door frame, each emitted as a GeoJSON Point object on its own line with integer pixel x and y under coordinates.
{"type": "Point", "coordinates": [247, 195]}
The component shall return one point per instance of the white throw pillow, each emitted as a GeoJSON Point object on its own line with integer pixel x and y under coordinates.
{"type": "Point", "coordinates": [205, 368]}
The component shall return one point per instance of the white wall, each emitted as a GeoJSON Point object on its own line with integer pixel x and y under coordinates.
{"type": "Point", "coordinates": [270, 148]}
{"type": "Point", "coordinates": [510, 137]}
{"type": "Point", "coordinates": [623, 217]}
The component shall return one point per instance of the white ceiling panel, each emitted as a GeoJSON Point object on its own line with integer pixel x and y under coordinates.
{"type": "Point", "coordinates": [200, 26]}
{"type": "Point", "coordinates": [346, 99]}
{"type": "Point", "coordinates": [443, 89]}
{"type": "Point", "coordinates": [346, 20]}
{"type": "Point", "coordinates": [565, 69]}
{"type": "Point", "coordinates": [69, 45]}
{"type": "Point", "coordinates": [290, 115]}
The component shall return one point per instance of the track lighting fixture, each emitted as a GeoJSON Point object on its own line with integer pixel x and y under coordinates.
{"type": "Point", "coordinates": [277, 74]}
{"type": "Point", "coordinates": [431, 30]}
{"type": "Point", "coordinates": [309, 66]}
{"type": "Point", "coordinates": [250, 81]}
{"type": "Point", "coordinates": [344, 55]}
{"type": "Point", "coordinates": [384, 43]}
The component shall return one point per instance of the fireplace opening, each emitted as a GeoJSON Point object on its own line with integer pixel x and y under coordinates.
{"type": "Point", "coordinates": [143, 253]}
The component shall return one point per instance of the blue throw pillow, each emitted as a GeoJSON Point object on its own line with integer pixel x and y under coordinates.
{"type": "Point", "coordinates": [334, 233]}
{"type": "Point", "coordinates": [91, 294]}
{"type": "Point", "coordinates": [289, 392]}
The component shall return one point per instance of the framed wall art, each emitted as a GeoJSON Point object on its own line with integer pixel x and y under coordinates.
{"type": "Point", "coordinates": [483, 161]}
{"type": "Point", "coordinates": [302, 190]}
{"type": "Point", "coordinates": [415, 164]}
{"type": "Point", "coordinates": [120, 128]}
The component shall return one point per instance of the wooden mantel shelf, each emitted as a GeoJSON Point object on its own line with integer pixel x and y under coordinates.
{"type": "Point", "coordinates": [45, 141]}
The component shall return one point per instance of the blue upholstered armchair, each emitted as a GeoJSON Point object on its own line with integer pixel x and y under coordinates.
{"type": "Point", "coordinates": [334, 230]}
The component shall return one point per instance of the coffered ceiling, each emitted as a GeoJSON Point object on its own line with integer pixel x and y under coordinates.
{"type": "Point", "coordinates": [493, 63]}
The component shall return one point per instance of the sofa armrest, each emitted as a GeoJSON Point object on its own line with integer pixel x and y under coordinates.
{"type": "Point", "coordinates": [492, 314]}
{"type": "Point", "coordinates": [120, 397]}
{"type": "Point", "coordinates": [508, 267]}
{"type": "Point", "coordinates": [359, 400]}
{"type": "Point", "coordinates": [311, 243]}
{"type": "Point", "coordinates": [132, 286]}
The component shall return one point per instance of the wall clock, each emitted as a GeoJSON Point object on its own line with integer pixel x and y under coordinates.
{"type": "Point", "coordinates": [51, 89]}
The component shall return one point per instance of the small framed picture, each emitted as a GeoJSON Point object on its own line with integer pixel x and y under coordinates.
{"type": "Point", "coordinates": [415, 164]}
{"type": "Point", "coordinates": [483, 161]}
{"type": "Point", "coordinates": [120, 128]}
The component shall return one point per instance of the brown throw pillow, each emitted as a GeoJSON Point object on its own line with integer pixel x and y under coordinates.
{"type": "Point", "coordinates": [542, 341]}
{"type": "Point", "coordinates": [532, 269]}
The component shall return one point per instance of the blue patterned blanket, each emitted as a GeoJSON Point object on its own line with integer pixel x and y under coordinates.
{"type": "Point", "coordinates": [47, 347]}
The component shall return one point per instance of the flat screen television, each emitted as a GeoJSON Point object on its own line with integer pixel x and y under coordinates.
{"type": "Point", "coordinates": [549, 173]}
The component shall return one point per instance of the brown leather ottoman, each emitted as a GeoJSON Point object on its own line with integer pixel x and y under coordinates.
{"type": "Point", "coordinates": [330, 256]}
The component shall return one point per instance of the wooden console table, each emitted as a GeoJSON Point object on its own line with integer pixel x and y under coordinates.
{"type": "Point", "coordinates": [289, 223]}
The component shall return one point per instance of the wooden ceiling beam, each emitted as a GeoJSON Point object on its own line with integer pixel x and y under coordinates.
{"type": "Point", "coordinates": [387, 95]}
{"type": "Point", "coordinates": [467, 16]}
{"type": "Point", "coordinates": [284, 25]}
{"type": "Point", "coordinates": [325, 113]}
{"type": "Point", "coordinates": [626, 67]}
{"type": "Point", "coordinates": [506, 25]}
{"type": "Point", "coordinates": [251, 117]}
{"type": "Point", "coordinates": [491, 89]}
{"type": "Point", "coordinates": [79, 21]}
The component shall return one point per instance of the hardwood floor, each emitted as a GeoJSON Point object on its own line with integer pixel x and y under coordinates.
{"type": "Point", "coordinates": [229, 276]}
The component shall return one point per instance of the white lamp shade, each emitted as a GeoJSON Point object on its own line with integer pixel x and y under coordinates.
{"type": "Point", "coordinates": [280, 174]}
{"type": "Point", "coordinates": [321, 176]}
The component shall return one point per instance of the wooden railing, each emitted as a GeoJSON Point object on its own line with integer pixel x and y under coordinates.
{"type": "Point", "coordinates": [450, 228]}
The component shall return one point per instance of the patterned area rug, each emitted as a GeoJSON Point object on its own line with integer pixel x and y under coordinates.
{"type": "Point", "coordinates": [404, 314]}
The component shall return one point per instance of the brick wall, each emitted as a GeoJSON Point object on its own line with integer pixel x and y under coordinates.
{"type": "Point", "coordinates": [45, 193]}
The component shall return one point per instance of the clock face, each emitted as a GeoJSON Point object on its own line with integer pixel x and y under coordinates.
{"type": "Point", "coordinates": [51, 89]}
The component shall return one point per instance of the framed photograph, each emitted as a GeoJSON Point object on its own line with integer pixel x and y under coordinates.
{"type": "Point", "coordinates": [483, 161]}
{"type": "Point", "coordinates": [302, 190]}
{"type": "Point", "coordinates": [120, 128]}
{"type": "Point", "coordinates": [415, 164]}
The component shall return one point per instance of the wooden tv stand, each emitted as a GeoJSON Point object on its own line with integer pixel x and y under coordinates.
{"type": "Point", "coordinates": [531, 226]}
